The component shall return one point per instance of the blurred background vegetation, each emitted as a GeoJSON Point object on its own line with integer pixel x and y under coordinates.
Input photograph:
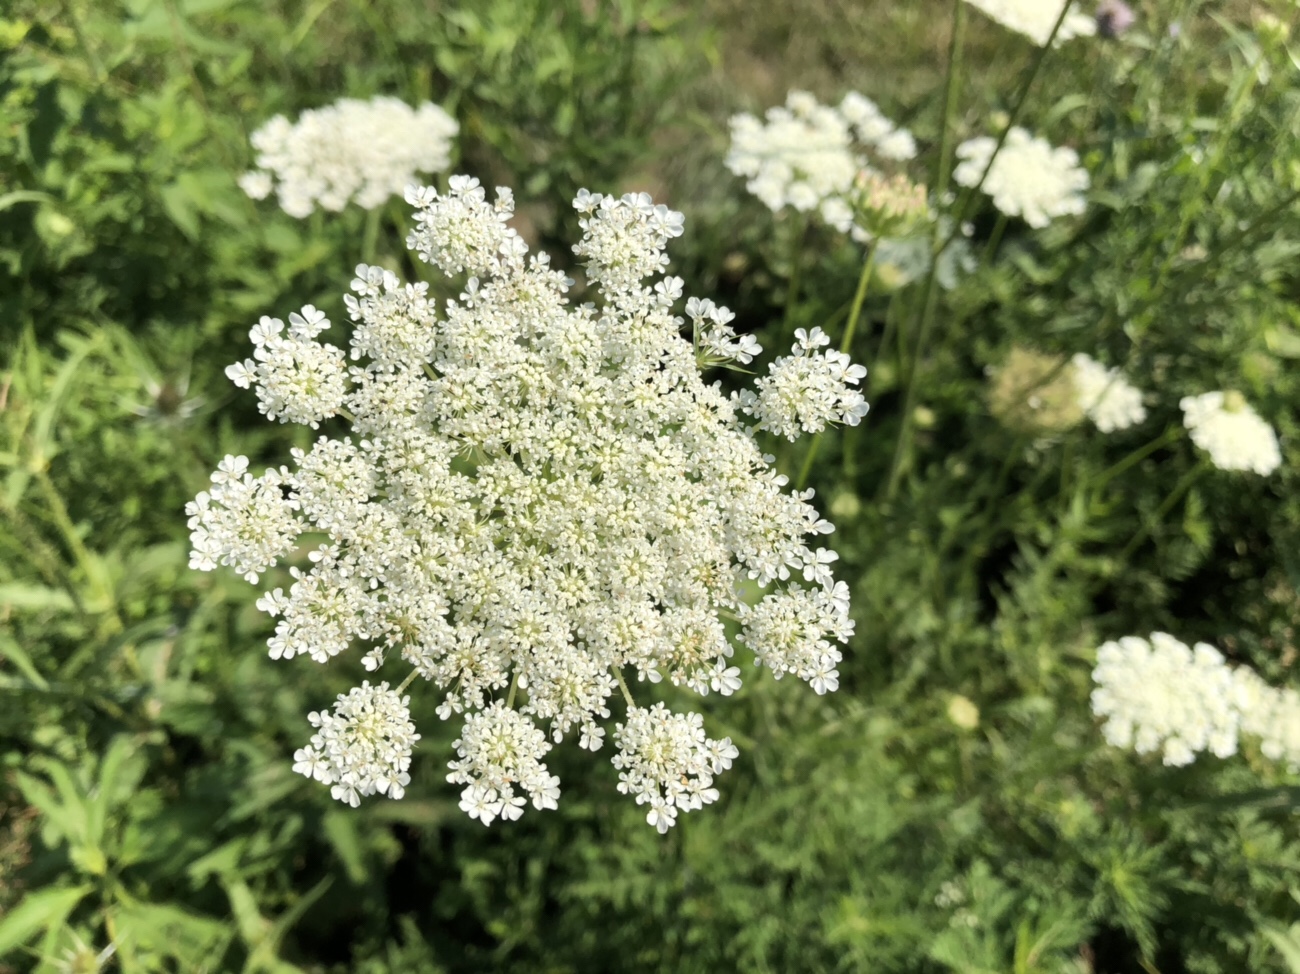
{"type": "Point", "coordinates": [952, 807]}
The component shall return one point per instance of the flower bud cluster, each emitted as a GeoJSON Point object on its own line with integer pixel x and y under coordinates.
{"type": "Point", "coordinates": [1161, 695]}
{"type": "Point", "coordinates": [807, 156]}
{"type": "Point", "coordinates": [535, 502]}
{"type": "Point", "coordinates": [352, 150]}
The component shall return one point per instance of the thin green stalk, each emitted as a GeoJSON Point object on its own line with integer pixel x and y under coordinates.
{"type": "Point", "coordinates": [991, 250]}
{"type": "Point", "coordinates": [943, 175]}
{"type": "Point", "coordinates": [1137, 456]}
{"type": "Point", "coordinates": [510, 697]}
{"type": "Point", "coordinates": [96, 65]}
{"type": "Point", "coordinates": [792, 288]}
{"type": "Point", "coordinates": [1175, 495]}
{"type": "Point", "coordinates": [864, 279]}
{"type": "Point", "coordinates": [622, 685]}
{"type": "Point", "coordinates": [410, 678]}
{"type": "Point", "coordinates": [370, 234]}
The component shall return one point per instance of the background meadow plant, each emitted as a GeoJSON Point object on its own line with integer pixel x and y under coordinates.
{"type": "Point", "coordinates": [1022, 494]}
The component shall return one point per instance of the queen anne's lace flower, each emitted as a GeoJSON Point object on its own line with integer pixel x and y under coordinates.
{"type": "Point", "coordinates": [1028, 179]}
{"type": "Point", "coordinates": [1106, 396]}
{"type": "Point", "coordinates": [1161, 695]}
{"type": "Point", "coordinates": [666, 761]}
{"type": "Point", "coordinates": [1036, 18]}
{"type": "Point", "coordinates": [536, 502]}
{"type": "Point", "coordinates": [805, 391]}
{"type": "Point", "coordinates": [1224, 426]}
{"type": "Point", "coordinates": [807, 156]}
{"type": "Point", "coordinates": [363, 747]}
{"type": "Point", "coordinates": [362, 151]}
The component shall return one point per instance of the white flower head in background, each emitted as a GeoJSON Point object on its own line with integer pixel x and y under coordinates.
{"type": "Point", "coordinates": [538, 504]}
{"type": "Point", "coordinates": [807, 156]}
{"type": "Point", "coordinates": [1224, 426]}
{"type": "Point", "coordinates": [1028, 179]}
{"type": "Point", "coordinates": [1036, 18]}
{"type": "Point", "coordinates": [1161, 695]}
{"type": "Point", "coordinates": [1106, 396]}
{"type": "Point", "coordinates": [350, 151]}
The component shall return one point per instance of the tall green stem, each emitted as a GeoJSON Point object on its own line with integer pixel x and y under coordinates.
{"type": "Point", "coordinates": [942, 177]}
{"type": "Point", "coordinates": [1175, 495]}
{"type": "Point", "coordinates": [792, 288]}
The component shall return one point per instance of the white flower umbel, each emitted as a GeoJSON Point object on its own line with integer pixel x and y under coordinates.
{"type": "Point", "coordinates": [805, 391]}
{"type": "Point", "coordinates": [1036, 18]}
{"type": "Point", "coordinates": [1028, 179]}
{"type": "Point", "coordinates": [807, 156]}
{"type": "Point", "coordinates": [1272, 715]}
{"type": "Point", "coordinates": [500, 751]}
{"type": "Point", "coordinates": [350, 151]}
{"type": "Point", "coordinates": [1161, 695]}
{"type": "Point", "coordinates": [536, 501]}
{"type": "Point", "coordinates": [363, 746]}
{"type": "Point", "coordinates": [1224, 426]}
{"type": "Point", "coordinates": [666, 761]}
{"type": "Point", "coordinates": [1106, 396]}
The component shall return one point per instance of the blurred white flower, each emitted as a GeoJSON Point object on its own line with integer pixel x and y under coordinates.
{"type": "Point", "coordinates": [807, 156]}
{"type": "Point", "coordinates": [1036, 18]}
{"type": "Point", "coordinates": [1158, 694]}
{"type": "Point", "coordinates": [1162, 696]}
{"type": "Point", "coordinates": [350, 151]}
{"type": "Point", "coordinates": [1224, 426]}
{"type": "Point", "coordinates": [1028, 178]}
{"type": "Point", "coordinates": [1106, 396]}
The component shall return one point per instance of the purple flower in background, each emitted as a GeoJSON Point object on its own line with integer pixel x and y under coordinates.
{"type": "Point", "coordinates": [1114, 17]}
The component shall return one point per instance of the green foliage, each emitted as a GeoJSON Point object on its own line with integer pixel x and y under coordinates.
{"type": "Point", "coordinates": [951, 808]}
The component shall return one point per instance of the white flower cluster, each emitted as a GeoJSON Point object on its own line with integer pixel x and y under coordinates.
{"type": "Point", "coordinates": [1105, 396]}
{"type": "Point", "coordinates": [666, 761]}
{"type": "Point", "coordinates": [1224, 426]}
{"type": "Point", "coordinates": [1036, 18]}
{"type": "Point", "coordinates": [352, 150]}
{"type": "Point", "coordinates": [500, 749]}
{"type": "Point", "coordinates": [805, 391]}
{"type": "Point", "coordinates": [537, 500]}
{"type": "Point", "coordinates": [1028, 178]}
{"type": "Point", "coordinates": [1162, 695]}
{"type": "Point", "coordinates": [807, 155]}
{"type": "Point", "coordinates": [363, 747]}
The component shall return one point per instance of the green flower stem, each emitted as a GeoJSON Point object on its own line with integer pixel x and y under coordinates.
{"type": "Point", "coordinates": [943, 175]}
{"type": "Point", "coordinates": [991, 250]}
{"type": "Point", "coordinates": [792, 287]}
{"type": "Point", "coordinates": [410, 678]}
{"type": "Point", "coordinates": [514, 685]}
{"type": "Point", "coordinates": [1175, 495]}
{"type": "Point", "coordinates": [622, 685]}
{"type": "Point", "coordinates": [370, 234]}
{"type": "Point", "coordinates": [1137, 456]}
{"type": "Point", "coordinates": [864, 279]}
